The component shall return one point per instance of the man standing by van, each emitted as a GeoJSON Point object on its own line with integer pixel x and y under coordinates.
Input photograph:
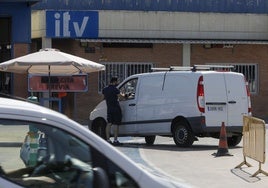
{"type": "Point", "coordinates": [114, 114]}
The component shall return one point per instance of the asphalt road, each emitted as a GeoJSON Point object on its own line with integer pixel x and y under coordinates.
{"type": "Point", "coordinates": [197, 166]}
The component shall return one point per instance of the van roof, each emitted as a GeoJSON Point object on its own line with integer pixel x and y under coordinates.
{"type": "Point", "coordinates": [196, 68]}
{"type": "Point", "coordinates": [183, 72]}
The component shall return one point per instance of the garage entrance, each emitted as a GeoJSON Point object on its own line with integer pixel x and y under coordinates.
{"type": "Point", "coordinates": [5, 53]}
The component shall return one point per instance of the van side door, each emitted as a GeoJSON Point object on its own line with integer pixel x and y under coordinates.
{"type": "Point", "coordinates": [151, 116]}
{"type": "Point", "coordinates": [215, 99]}
{"type": "Point", "coordinates": [128, 106]}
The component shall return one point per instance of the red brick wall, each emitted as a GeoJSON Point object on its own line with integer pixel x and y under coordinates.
{"type": "Point", "coordinates": [251, 54]}
{"type": "Point", "coordinates": [162, 55]}
{"type": "Point", "coordinates": [165, 55]}
{"type": "Point", "coordinates": [20, 80]}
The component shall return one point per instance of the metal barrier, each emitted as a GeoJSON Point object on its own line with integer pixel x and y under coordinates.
{"type": "Point", "coordinates": [254, 133]}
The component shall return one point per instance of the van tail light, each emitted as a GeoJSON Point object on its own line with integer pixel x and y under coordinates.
{"type": "Point", "coordinates": [200, 95]}
{"type": "Point", "coordinates": [248, 94]}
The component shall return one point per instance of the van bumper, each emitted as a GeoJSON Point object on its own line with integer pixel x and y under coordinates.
{"type": "Point", "coordinates": [198, 125]}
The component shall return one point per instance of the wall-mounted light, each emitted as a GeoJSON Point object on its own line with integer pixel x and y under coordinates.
{"type": "Point", "coordinates": [8, 47]}
{"type": "Point", "coordinates": [83, 44]}
{"type": "Point", "coordinates": [207, 46]}
{"type": "Point", "coordinates": [90, 49]}
{"type": "Point", "coordinates": [228, 46]}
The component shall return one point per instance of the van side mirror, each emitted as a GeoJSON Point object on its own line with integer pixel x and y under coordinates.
{"type": "Point", "coordinates": [126, 95]}
{"type": "Point", "coordinates": [100, 178]}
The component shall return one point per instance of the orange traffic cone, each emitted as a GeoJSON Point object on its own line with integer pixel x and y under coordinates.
{"type": "Point", "coordinates": [223, 145]}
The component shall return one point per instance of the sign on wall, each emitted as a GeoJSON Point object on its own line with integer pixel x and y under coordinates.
{"type": "Point", "coordinates": [72, 24]}
{"type": "Point", "coordinates": [58, 83]}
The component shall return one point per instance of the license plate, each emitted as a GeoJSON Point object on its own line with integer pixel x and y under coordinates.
{"type": "Point", "coordinates": [215, 108]}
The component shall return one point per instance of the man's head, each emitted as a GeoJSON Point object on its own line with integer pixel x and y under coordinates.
{"type": "Point", "coordinates": [113, 80]}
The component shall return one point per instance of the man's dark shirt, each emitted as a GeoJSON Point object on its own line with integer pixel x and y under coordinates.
{"type": "Point", "coordinates": [110, 95]}
{"type": "Point", "coordinates": [114, 114]}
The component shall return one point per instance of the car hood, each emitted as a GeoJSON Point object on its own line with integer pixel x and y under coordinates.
{"type": "Point", "coordinates": [164, 179]}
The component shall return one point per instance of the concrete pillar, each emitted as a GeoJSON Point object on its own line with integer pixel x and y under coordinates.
{"type": "Point", "coordinates": [46, 43]}
{"type": "Point", "coordinates": [186, 54]}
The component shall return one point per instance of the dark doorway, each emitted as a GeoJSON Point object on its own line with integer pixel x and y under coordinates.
{"type": "Point", "coordinates": [5, 53]}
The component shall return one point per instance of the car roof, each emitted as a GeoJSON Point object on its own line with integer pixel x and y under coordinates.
{"type": "Point", "coordinates": [19, 107]}
{"type": "Point", "coordinates": [6, 103]}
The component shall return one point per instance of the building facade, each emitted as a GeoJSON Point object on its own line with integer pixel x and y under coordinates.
{"type": "Point", "coordinates": [131, 36]}
{"type": "Point", "coordinates": [15, 40]}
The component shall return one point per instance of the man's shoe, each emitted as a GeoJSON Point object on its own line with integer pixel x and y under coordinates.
{"type": "Point", "coordinates": [117, 143]}
{"type": "Point", "coordinates": [109, 141]}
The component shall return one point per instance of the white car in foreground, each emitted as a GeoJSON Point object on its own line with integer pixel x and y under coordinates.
{"type": "Point", "coordinates": [43, 148]}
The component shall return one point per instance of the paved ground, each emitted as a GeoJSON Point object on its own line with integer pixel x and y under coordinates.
{"type": "Point", "coordinates": [198, 167]}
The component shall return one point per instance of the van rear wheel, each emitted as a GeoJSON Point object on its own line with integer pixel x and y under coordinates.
{"type": "Point", "coordinates": [99, 128]}
{"type": "Point", "coordinates": [149, 140]}
{"type": "Point", "coordinates": [182, 135]}
{"type": "Point", "coordinates": [234, 140]}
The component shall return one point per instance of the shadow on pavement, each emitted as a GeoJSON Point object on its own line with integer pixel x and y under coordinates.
{"type": "Point", "coordinates": [10, 144]}
{"type": "Point", "coordinates": [239, 172]}
{"type": "Point", "coordinates": [173, 147]}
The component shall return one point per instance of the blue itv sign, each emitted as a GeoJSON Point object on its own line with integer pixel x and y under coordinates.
{"type": "Point", "coordinates": [72, 24]}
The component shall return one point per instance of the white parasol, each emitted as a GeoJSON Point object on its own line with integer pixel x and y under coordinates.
{"type": "Point", "coordinates": [50, 61]}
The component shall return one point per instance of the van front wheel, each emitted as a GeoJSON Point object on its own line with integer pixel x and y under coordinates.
{"type": "Point", "coordinates": [182, 135]}
{"type": "Point", "coordinates": [149, 140]}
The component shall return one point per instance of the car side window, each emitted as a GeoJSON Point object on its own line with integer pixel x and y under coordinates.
{"type": "Point", "coordinates": [129, 89]}
{"type": "Point", "coordinates": [38, 155]}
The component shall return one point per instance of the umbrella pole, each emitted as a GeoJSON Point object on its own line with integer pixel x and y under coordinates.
{"type": "Point", "coordinates": [49, 87]}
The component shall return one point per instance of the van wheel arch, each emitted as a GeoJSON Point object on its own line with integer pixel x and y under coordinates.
{"type": "Point", "coordinates": [98, 127]}
{"type": "Point", "coordinates": [182, 132]}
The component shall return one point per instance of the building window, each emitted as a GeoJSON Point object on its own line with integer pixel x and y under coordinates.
{"type": "Point", "coordinates": [250, 72]}
{"type": "Point", "coordinates": [122, 71]}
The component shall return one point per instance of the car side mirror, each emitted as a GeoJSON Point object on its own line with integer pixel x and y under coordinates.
{"type": "Point", "coordinates": [100, 178]}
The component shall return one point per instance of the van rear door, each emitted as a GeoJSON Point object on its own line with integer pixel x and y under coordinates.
{"type": "Point", "coordinates": [237, 99]}
{"type": "Point", "coordinates": [215, 99]}
{"type": "Point", "coordinates": [225, 99]}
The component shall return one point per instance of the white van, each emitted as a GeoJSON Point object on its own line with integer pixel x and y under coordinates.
{"type": "Point", "coordinates": [180, 102]}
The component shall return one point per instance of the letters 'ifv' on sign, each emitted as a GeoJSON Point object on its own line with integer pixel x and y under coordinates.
{"type": "Point", "coordinates": [72, 24]}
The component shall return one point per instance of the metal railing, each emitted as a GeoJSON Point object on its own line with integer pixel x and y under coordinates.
{"type": "Point", "coordinates": [196, 68]}
{"type": "Point", "coordinates": [254, 135]}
